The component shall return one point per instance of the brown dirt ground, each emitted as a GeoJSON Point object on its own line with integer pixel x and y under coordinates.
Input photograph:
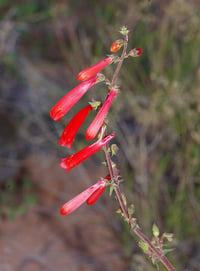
{"type": "Point", "coordinates": [43, 240]}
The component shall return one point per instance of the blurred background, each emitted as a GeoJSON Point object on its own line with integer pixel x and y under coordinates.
{"type": "Point", "coordinates": [43, 46]}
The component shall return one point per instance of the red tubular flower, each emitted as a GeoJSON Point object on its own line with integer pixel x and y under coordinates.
{"type": "Point", "coordinates": [94, 197]}
{"type": "Point", "coordinates": [93, 70]}
{"type": "Point", "coordinates": [96, 124]}
{"type": "Point", "coordinates": [116, 45]}
{"type": "Point", "coordinates": [77, 158]}
{"type": "Point", "coordinates": [68, 135]}
{"type": "Point", "coordinates": [97, 193]}
{"type": "Point", "coordinates": [74, 203]}
{"type": "Point", "coordinates": [72, 97]}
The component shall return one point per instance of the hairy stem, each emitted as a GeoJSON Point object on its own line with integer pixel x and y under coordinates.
{"type": "Point", "coordinates": [120, 61]}
{"type": "Point", "coordinates": [158, 254]}
{"type": "Point", "coordinates": [132, 222]}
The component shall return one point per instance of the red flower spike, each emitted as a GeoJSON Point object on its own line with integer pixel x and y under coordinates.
{"type": "Point", "coordinates": [93, 70]}
{"type": "Point", "coordinates": [135, 52]}
{"type": "Point", "coordinates": [72, 97]}
{"type": "Point", "coordinates": [77, 158]}
{"type": "Point", "coordinates": [95, 196]}
{"type": "Point", "coordinates": [77, 201]}
{"type": "Point", "coordinates": [70, 131]}
{"type": "Point", "coordinates": [116, 45]}
{"type": "Point", "coordinates": [96, 124]}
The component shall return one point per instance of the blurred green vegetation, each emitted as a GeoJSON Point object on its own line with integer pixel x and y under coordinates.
{"type": "Point", "coordinates": [157, 117]}
{"type": "Point", "coordinates": [16, 198]}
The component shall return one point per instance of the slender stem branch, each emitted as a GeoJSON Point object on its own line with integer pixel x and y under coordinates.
{"type": "Point", "coordinates": [120, 61]}
{"type": "Point", "coordinates": [158, 254]}
{"type": "Point", "coordinates": [132, 222]}
{"type": "Point", "coordinates": [137, 231]}
{"type": "Point", "coordinates": [109, 163]}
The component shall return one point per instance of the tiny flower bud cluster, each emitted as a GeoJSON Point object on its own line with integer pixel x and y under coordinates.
{"type": "Point", "coordinates": [88, 78]}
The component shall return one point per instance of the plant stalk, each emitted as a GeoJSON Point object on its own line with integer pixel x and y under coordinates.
{"type": "Point", "coordinates": [114, 177]}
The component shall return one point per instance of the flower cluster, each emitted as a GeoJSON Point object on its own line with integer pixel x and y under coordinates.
{"type": "Point", "coordinates": [98, 128]}
{"type": "Point", "coordinates": [89, 77]}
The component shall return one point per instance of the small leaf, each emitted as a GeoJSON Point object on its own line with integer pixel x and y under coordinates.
{"type": "Point", "coordinates": [153, 261]}
{"type": "Point", "coordinates": [131, 209]}
{"type": "Point", "coordinates": [114, 149]}
{"type": "Point", "coordinates": [168, 236]}
{"type": "Point", "coordinates": [144, 246]}
{"type": "Point", "coordinates": [118, 211]}
{"type": "Point", "coordinates": [167, 250]}
{"type": "Point", "coordinates": [124, 199]}
{"type": "Point", "coordinates": [104, 163]}
{"type": "Point", "coordinates": [155, 230]}
{"type": "Point", "coordinates": [95, 104]}
{"type": "Point", "coordinates": [111, 190]}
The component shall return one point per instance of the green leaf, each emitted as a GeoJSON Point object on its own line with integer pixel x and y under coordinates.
{"type": "Point", "coordinates": [168, 236]}
{"type": "Point", "coordinates": [144, 246]}
{"type": "Point", "coordinates": [111, 190]}
{"type": "Point", "coordinates": [167, 250]}
{"type": "Point", "coordinates": [124, 199]}
{"type": "Point", "coordinates": [131, 209]}
{"type": "Point", "coordinates": [114, 149]}
{"type": "Point", "coordinates": [155, 230]}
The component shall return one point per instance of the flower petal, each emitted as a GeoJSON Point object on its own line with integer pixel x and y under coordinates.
{"type": "Point", "coordinates": [70, 131]}
{"type": "Point", "coordinates": [91, 71]}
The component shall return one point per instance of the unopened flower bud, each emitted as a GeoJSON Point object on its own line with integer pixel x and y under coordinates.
{"type": "Point", "coordinates": [155, 230]}
{"type": "Point", "coordinates": [116, 45]}
{"type": "Point", "coordinates": [124, 30]}
{"type": "Point", "coordinates": [135, 52]}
